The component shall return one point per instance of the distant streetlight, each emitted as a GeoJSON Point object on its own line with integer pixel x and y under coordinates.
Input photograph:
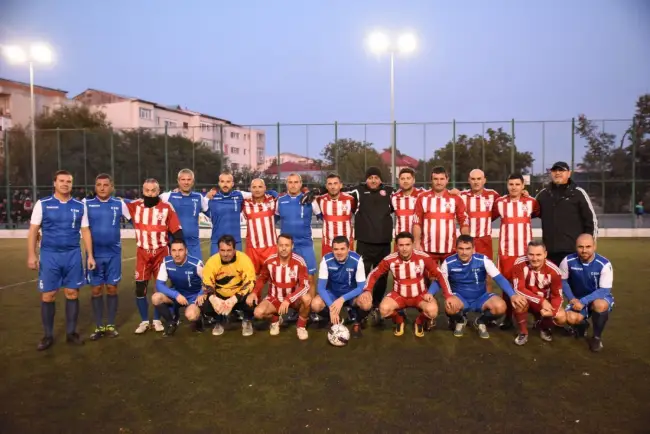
{"type": "Point", "coordinates": [38, 53]}
{"type": "Point", "coordinates": [380, 43]}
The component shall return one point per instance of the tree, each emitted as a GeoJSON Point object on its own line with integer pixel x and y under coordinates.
{"type": "Point", "coordinates": [353, 159]}
{"type": "Point", "coordinates": [81, 141]}
{"type": "Point", "coordinates": [469, 155]}
{"type": "Point", "coordinates": [608, 163]}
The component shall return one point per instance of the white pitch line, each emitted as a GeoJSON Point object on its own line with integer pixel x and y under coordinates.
{"type": "Point", "coordinates": [35, 280]}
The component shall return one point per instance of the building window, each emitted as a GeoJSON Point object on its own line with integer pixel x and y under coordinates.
{"type": "Point", "coordinates": [234, 150]}
{"type": "Point", "coordinates": [234, 166]}
{"type": "Point", "coordinates": [244, 151]}
{"type": "Point", "coordinates": [205, 127]}
{"type": "Point", "coordinates": [46, 110]}
{"type": "Point", "coordinates": [225, 149]}
{"type": "Point", "coordinates": [260, 156]}
{"type": "Point", "coordinates": [234, 135]}
{"type": "Point", "coordinates": [171, 124]}
{"type": "Point", "coordinates": [186, 125]}
{"type": "Point", "coordinates": [206, 143]}
{"type": "Point", "coordinates": [145, 113]}
{"type": "Point", "coordinates": [157, 120]}
{"type": "Point", "coordinates": [245, 136]}
{"type": "Point", "coordinates": [260, 137]}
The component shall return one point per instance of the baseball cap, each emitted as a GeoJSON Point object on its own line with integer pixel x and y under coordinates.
{"type": "Point", "coordinates": [560, 165]}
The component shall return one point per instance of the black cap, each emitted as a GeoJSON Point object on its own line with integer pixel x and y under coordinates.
{"type": "Point", "coordinates": [373, 170]}
{"type": "Point", "coordinates": [560, 165]}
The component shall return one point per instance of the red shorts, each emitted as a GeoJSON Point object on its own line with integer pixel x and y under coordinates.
{"type": "Point", "coordinates": [404, 302]}
{"type": "Point", "coordinates": [439, 257]}
{"type": "Point", "coordinates": [506, 263]}
{"type": "Point", "coordinates": [483, 245]}
{"type": "Point", "coordinates": [536, 308]}
{"type": "Point", "coordinates": [259, 255]}
{"type": "Point", "coordinates": [147, 262]}
{"type": "Point", "coordinates": [325, 249]}
{"type": "Point", "coordinates": [276, 303]}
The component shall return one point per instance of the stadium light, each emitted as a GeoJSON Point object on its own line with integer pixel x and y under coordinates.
{"type": "Point", "coordinates": [379, 43]}
{"type": "Point", "coordinates": [38, 53]}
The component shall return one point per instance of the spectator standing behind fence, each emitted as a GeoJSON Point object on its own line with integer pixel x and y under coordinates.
{"type": "Point", "coordinates": [566, 212]}
{"type": "Point", "coordinates": [639, 211]}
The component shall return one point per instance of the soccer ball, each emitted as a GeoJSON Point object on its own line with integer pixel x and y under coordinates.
{"type": "Point", "coordinates": [338, 335]}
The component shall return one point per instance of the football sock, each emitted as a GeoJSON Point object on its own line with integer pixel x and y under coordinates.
{"type": "Point", "coordinates": [156, 314]}
{"type": "Point", "coordinates": [509, 310]}
{"type": "Point", "coordinates": [397, 318]}
{"type": "Point", "coordinates": [522, 322]}
{"type": "Point", "coordinates": [421, 319]}
{"type": "Point", "coordinates": [275, 318]}
{"type": "Point", "coordinates": [47, 316]}
{"type": "Point", "coordinates": [457, 318]}
{"type": "Point", "coordinates": [71, 315]}
{"type": "Point", "coordinates": [98, 309]}
{"type": "Point", "coordinates": [599, 319]}
{"type": "Point", "coordinates": [165, 312]}
{"type": "Point", "coordinates": [547, 323]}
{"type": "Point", "coordinates": [302, 322]}
{"type": "Point", "coordinates": [486, 317]}
{"type": "Point", "coordinates": [143, 308]}
{"type": "Point", "coordinates": [359, 314]}
{"type": "Point", "coordinates": [111, 305]}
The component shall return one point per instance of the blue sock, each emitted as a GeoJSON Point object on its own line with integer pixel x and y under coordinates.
{"type": "Point", "coordinates": [98, 309]}
{"type": "Point", "coordinates": [156, 314]}
{"type": "Point", "coordinates": [111, 304]}
{"type": "Point", "coordinates": [143, 308]}
{"type": "Point", "coordinates": [71, 315]}
{"type": "Point", "coordinates": [47, 316]}
{"type": "Point", "coordinates": [486, 317]}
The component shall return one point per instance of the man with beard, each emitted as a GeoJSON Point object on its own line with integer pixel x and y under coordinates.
{"type": "Point", "coordinates": [152, 220]}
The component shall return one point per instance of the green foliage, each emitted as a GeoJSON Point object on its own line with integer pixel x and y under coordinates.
{"type": "Point", "coordinates": [353, 157]}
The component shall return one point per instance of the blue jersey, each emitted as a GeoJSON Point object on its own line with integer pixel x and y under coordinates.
{"type": "Point", "coordinates": [225, 211]}
{"type": "Point", "coordinates": [586, 282]}
{"type": "Point", "coordinates": [60, 223]}
{"type": "Point", "coordinates": [295, 218]}
{"type": "Point", "coordinates": [341, 279]}
{"type": "Point", "coordinates": [104, 222]}
{"type": "Point", "coordinates": [469, 279]}
{"type": "Point", "coordinates": [186, 279]}
{"type": "Point", "coordinates": [188, 207]}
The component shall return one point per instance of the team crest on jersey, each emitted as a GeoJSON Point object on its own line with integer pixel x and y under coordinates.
{"type": "Point", "coordinates": [293, 274]}
{"type": "Point", "coordinates": [487, 202]}
{"type": "Point", "coordinates": [544, 281]}
{"type": "Point", "coordinates": [418, 269]}
{"type": "Point", "coordinates": [524, 207]}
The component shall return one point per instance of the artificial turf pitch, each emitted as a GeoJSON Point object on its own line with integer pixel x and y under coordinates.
{"type": "Point", "coordinates": [199, 383]}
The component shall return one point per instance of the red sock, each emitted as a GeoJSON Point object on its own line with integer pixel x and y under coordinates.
{"type": "Point", "coordinates": [421, 319]}
{"type": "Point", "coordinates": [509, 309]}
{"type": "Point", "coordinates": [302, 322]}
{"type": "Point", "coordinates": [397, 318]}
{"type": "Point", "coordinates": [275, 318]}
{"type": "Point", "coordinates": [522, 322]}
{"type": "Point", "coordinates": [547, 323]}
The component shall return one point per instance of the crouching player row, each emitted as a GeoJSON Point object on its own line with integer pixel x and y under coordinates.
{"type": "Point", "coordinates": [411, 269]}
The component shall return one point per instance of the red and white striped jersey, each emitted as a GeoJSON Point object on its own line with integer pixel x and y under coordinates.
{"type": "Point", "coordinates": [479, 211]}
{"type": "Point", "coordinates": [287, 281]}
{"type": "Point", "coordinates": [545, 283]}
{"type": "Point", "coordinates": [436, 215]}
{"type": "Point", "coordinates": [516, 229]}
{"type": "Point", "coordinates": [404, 208]}
{"type": "Point", "coordinates": [153, 224]}
{"type": "Point", "coordinates": [337, 216]}
{"type": "Point", "coordinates": [260, 222]}
{"type": "Point", "coordinates": [408, 275]}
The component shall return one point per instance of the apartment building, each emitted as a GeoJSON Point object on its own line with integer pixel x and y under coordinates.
{"type": "Point", "coordinates": [15, 102]}
{"type": "Point", "coordinates": [285, 157]}
{"type": "Point", "coordinates": [244, 147]}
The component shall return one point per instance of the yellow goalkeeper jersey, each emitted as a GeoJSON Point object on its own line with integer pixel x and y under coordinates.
{"type": "Point", "coordinates": [228, 279]}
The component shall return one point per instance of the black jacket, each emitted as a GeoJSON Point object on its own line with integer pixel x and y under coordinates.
{"type": "Point", "coordinates": [373, 221]}
{"type": "Point", "coordinates": [566, 212]}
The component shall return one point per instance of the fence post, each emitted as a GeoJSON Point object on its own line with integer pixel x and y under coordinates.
{"type": "Point", "coordinates": [633, 134]}
{"type": "Point", "coordinates": [85, 146]}
{"type": "Point", "coordinates": [543, 172]}
{"type": "Point", "coordinates": [277, 162]}
{"type": "Point", "coordinates": [365, 148]}
{"type": "Point", "coordinates": [483, 147]}
{"type": "Point", "coordinates": [573, 143]}
{"type": "Point", "coordinates": [7, 178]}
{"type": "Point", "coordinates": [336, 147]}
{"type": "Point", "coordinates": [58, 148]}
{"type": "Point", "coordinates": [453, 156]}
{"type": "Point", "coordinates": [166, 159]}
{"type": "Point", "coordinates": [424, 153]}
{"type": "Point", "coordinates": [514, 146]}
{"type": "Point", "coordinates": [602, 176]}
{"type": "Point", "coordinates": [112, 154]}
{"type": "Point", "coordinates": [138, 150]}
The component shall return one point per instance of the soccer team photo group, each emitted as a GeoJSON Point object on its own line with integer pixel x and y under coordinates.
{"type": "Point", "coordinates": [434, 245]}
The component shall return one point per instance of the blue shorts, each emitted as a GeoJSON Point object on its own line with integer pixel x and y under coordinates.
{"type": "Point", "coordinates": [586, 310]}
{"type": "Point", "coordinates": [194, 249]}
{"type": "Point", "coordinates": [475, 305]}
{"type": "Point", "coordinates": [60, 270]}
{"type": "Point", "coordinates": [107, 271]}
{"type": "Point", "coordinates": [306, 251]}
{"type": "Point", "coordinates": [191, 299]}
{"type": "Point", "coordinates": [214, 247]}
